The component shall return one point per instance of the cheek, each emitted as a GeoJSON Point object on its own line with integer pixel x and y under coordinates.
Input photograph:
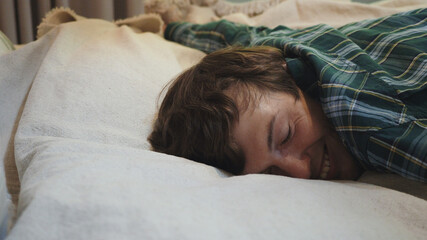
{"type": "Point", "coordinates": [316, 122]}
{"type": "Point", "coordinates": [309, 130]}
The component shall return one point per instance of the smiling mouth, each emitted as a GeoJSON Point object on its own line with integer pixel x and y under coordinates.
{"type": "Point", "coordinates": [326, 165]}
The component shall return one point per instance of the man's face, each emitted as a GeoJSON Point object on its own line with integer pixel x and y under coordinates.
{"type": "Point", "coordinates": [284, 136]}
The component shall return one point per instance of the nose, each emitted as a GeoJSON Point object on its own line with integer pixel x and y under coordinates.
{"type": "Point", "coordinates": [292, 166]}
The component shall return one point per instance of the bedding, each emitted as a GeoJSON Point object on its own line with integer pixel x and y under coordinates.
{"type": "Point", "coordinates": [77, 106]}
{"type": "Point", "coordinates": [294, 14]}
{"type": "Point", "coordinates": [6, 46]}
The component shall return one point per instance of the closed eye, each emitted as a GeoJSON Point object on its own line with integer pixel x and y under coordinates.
{"type": "Point", "coordinates": [288, 136]}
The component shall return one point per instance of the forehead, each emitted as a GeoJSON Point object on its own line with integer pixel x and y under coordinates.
{"type": "Point", "coordinates": [256, 113]}
{"type": "Point", "coordinates": [247, 97]}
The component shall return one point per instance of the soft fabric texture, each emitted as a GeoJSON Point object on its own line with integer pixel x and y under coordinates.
{"type": "Point", "coordinates": [55, 17]}
{"type": "Point", "coordinates": [304, 13]}
{"type": "Point", "coordinates": [142, 23]}
{"type": "Point", "coordinates": [86, 171]}
{"type": "Point", "coordinates": [6, 46]}
{"type": "Point", "coordinates": [250, 8]}
{"type": "Point", "coordinates": [270, 13]}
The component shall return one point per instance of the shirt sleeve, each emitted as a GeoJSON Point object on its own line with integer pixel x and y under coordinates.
{"type": "Point", "coordinates": [401, 149]}
{"type": "Point", "coordinates": [379, 106]}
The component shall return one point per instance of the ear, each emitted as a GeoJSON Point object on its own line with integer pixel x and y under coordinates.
{"type": "Point", "coordinates": [56, 17]}
{"type": "Point", "coordinates": [285, 66]}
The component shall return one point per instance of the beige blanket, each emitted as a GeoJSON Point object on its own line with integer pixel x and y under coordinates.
{"type": "Point", "coordinates": [291, 13]}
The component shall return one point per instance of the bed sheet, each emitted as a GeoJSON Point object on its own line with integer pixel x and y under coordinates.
{"type": "Point", "coordinates": [271, 13]}
{"type": "Point", "coordinates": [6, 46]}
{"type": "Point", "coordinates": [86, 170]}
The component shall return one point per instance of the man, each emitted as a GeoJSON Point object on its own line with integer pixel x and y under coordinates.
{"type": "Point", "coordinates": [370, 78]}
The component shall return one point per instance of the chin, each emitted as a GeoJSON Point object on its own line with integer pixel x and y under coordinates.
{"type": "Point", "coordinates": [343, 165]}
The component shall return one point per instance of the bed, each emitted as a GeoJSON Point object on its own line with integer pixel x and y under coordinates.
{"type": "Point", "coordinates": [77, 106]}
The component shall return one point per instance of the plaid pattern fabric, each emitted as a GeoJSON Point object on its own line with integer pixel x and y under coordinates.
{"type": "Point", "coordinates": [370, 76]}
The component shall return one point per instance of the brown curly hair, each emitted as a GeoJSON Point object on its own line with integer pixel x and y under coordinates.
{"type": "Point", "coordinates": [195, 119]}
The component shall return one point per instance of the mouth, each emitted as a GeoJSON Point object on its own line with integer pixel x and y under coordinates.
{"type": "Point", "coordinates": [325, 169]}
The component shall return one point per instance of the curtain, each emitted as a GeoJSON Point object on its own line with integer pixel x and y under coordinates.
{"type": "Point", "coordinates": [19, 18]}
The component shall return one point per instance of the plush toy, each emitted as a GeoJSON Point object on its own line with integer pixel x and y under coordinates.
{"type": "Point", "coordinates": [150, 22]}
{"type": "Point", "coordinates": [169, 10]}
{"type": "Point", "coordinates": [180, 10]}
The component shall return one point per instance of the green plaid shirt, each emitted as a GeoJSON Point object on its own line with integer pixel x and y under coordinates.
{"type": "Point", "coordinates": [370, 76]}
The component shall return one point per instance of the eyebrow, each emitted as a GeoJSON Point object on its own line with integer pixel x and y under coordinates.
{"type": "Point", "coordinates": [270, 133]}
